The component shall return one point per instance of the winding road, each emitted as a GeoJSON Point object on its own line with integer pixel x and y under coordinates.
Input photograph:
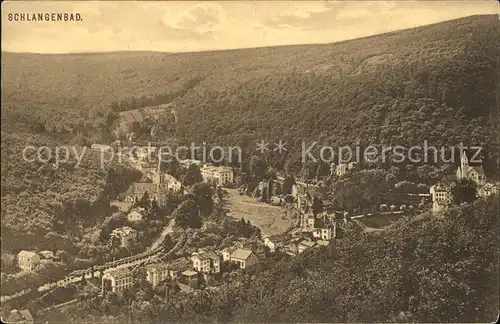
{"type": "Point", "coordinates": [166, 230]}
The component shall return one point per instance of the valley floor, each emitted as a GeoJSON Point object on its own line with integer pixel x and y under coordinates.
{"type": "Point", "coordinates": [266, 217]}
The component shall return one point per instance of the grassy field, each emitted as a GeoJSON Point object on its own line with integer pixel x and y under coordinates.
{"type": "Point", "coordinates": [266, 217]}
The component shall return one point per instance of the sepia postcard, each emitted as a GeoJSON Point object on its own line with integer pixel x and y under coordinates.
{"type": "Point", "coordinates": [250, 162]}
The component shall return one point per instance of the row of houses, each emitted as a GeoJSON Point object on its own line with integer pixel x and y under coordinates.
{"type": "Point", "coordinates": [292, 245]}
{"type": "Point", "coordinates": [468, 169]}
{"type": "Point", "coordinates": [314, 231]}
{"type": "Point", "coordinates": [189, 271]}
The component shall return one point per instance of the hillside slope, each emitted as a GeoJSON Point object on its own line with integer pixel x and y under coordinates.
{"type": "Point", "coordinates": [40, 197]}
{"type": "Point", "coordinates": [437, 82]}
{"type": "Point", "coordinates": [421, 270]}
{"type": "Point", "coordinates": [438, 269]}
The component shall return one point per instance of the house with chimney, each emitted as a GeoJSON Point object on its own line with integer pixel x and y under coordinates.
{"type": "Point", "coordinates": [226, 253]}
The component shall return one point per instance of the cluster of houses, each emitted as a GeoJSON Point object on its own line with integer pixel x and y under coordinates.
{"type": "Point", "coordinates": [202, 266]}
{"type": "Point", "coordinates": [291, 245]}
{"type": "Point", "coordinates": [29, 260]}
{"type": "Point", "coordinates": [158, 184]}
{"type": "Point", "coordinates": [441, 193]}
{"type": "Point", "coordinates": [155, 183]}
{"type": "Point", "coordinates": [313, 231]}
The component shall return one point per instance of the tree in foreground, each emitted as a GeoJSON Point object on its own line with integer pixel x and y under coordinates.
{"type": "Point", "coordinates": [464, 191]}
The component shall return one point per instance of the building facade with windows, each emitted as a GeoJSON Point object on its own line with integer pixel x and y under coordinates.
{"type": "Point", "coordinates": [117, 281]}
{"type": "Point", "coordinates": [487, 190]}
{"type": "Point", "coordinates": [156, 273]}
{"type": "Point", "coordinates": [441, 197]}
{"type": "Point", "coordinates": [28, 260]}
{"type": "Point", "coordinates": [244, 258]}
{"type": "Point", "coordinates": [207, 262]}
{"type": "Point", "coordinates": [219, 175]}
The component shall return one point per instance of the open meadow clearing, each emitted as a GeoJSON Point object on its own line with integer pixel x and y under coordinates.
{"type": "Point", "coordinates": [266, 217]}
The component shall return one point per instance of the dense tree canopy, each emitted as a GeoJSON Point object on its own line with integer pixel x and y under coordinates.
{"type": "Point", "coordinates": [429, 83]}
{"type": "Point", "coordinates": [46, 206]}
{"type": "Point", "coordinates": [187, 215]}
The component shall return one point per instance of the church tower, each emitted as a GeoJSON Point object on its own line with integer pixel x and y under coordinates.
{"type": "Point", "coordinates": [464, 165]}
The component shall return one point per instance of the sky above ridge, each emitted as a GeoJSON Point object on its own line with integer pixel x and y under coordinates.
{"type": "Point", "coordinates": [183, 26]}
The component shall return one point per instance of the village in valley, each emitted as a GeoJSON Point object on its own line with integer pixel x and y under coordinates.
{"type": "Point", "coordinates": [250, 162]}
{"type": "Point", "coordinates": [205, 242]}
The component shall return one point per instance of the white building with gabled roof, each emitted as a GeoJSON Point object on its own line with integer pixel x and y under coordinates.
{"type": "Point", "coordinates": [244, 258]}
{"type": "Point", "coordinates": [135, 216]}
{"type": "Point", "coordinates": [28, 260]}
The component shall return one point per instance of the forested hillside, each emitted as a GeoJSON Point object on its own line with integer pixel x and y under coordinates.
{"type": "Point", "coordinates": [437, 269]}
{"type": "Point", "coordinates": [41, 200]}
{"type": "Point", "coordinates": [437, 82]}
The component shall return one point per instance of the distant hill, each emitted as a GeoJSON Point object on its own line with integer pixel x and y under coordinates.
{"type": "Point", "coordinates": [437, 82]}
